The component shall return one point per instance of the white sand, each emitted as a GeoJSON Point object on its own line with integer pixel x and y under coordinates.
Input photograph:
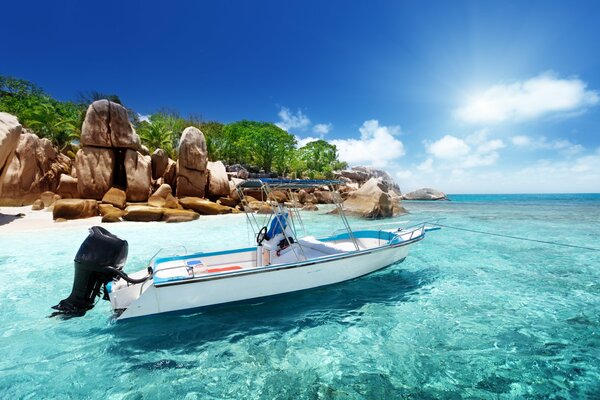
{"type": "Point", "coordinates": [37, 220]}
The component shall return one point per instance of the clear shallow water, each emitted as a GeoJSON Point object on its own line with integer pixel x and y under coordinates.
{"type": "Point", "coordinates": [465, 316]}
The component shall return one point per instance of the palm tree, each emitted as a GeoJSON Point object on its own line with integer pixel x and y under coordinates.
{"type": "Point", "coordinates": [156, 134]}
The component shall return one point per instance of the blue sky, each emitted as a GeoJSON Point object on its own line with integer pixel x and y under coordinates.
{"type": "Point", "coordinates": [467, 97]}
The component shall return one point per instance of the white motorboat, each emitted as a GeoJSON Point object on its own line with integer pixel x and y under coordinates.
{"type": "Point", "coordinates": [280, 262]}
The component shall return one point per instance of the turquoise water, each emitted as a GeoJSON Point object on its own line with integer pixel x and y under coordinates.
{"type": "Point", "coordinates": [465, 316]}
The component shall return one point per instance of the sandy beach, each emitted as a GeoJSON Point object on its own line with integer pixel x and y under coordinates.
{"type": "Point", "coordinates": [37, 220]}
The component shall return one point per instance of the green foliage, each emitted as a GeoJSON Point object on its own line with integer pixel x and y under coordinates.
{"type": "Point", "coordinates": [318, 160]}
{"type": "Point", "coordinates": [58, 121]}
{"type": "Point", "coordinates": [260, 144]}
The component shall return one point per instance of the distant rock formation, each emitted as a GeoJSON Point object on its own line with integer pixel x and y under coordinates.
{"type": "Point", "coordinates": [373, 200]}
{"type": "Point", "coordinates": [191, 164]}
{"type": "Point", "coordinates": [361, 175]}
{"type": "Point", "coordinates": [425, 194]}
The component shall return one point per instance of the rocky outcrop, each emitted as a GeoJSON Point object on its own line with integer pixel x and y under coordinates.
{"type": "Point", "coordinates": [179, 215]}
{"type": "Point", "coordinates": [361, 175]}
{"type": "Point", "coordinates": [111, 154]}
{"type": "Point", "coordinates": [191, 163]}
{"type": "Point", "coordinates": [372, 200]}
{"type": "Point", "coordinates": [160, 161]}
{"type": "Point", "coordinates": [115, 197]}
{"type": "Point", "coordinates": [238, 171]}
{"type": "Point", "coordinates": [425, 194]}
{"type": "Point", "coordinates": [139, 176]}
{"type": "Point", "coordinates": [203, 206]}
{"type": "Point", "coordinates": [218, 181]}
{"type": "Point", "coordinates": [170, 175]}
{"type": "Point", "coordinates": [107, 124]}
{"type": "Point", "coordinates": [95, 168]}
{"type": "Point", "coordinates": [10, 132]}
{"type": "Point", "coordinates": [143, 213]}
{"type": "Point", "coordinates": [33, 168]}
{"type": "Point", "coordinates": [74, 209]}
{"type": "Point", "coordinates": [67, 187]}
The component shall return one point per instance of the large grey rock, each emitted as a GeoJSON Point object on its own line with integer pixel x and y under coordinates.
{"type": "Point", "coordinates": [425, 194]}
{"type": "Point", "coordinates": [139, 175]}
{"type": "Point", "coordinates": [10, 131]}
{"type": "Point", "coordinates": [35, 167]}
{"type": "Point", "coordinates": [67, 187]}
{"type": "Point", "coordinates": [218, 181]}
{"type": "Point", "coordinates": [372, 200]}
{"type": "Point", "coordinates": [95, 171]}
{"type": "Point", "coordinates": [160, 161]}
{"type": "Point", "coordinates": [190, 182]}
{"type": "Point", "coordinates": [107, 124]}
{"type": "Point", "coordinates": [362, 174]}
{"type": "Point", "coordinates": [74, 209]}
{"type": "Point", "coordinates": [192, 153]}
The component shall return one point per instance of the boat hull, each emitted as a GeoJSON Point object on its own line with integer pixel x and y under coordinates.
{"type": "Point", "coordinates": [270, 281]}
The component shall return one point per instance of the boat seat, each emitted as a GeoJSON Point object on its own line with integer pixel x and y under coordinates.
{"type": "Point", "coordinates": [312, 243]}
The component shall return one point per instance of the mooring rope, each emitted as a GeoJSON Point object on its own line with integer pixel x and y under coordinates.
{"type": "Point", "coordinates": [515, 237]}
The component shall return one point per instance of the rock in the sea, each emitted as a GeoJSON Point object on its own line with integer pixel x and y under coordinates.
{"type": "Point", "coordinates": [115, 197]}
{"type": "Point", "coordinates": [143, 213]}
{"type": "Point", "coordinates": [95, 171]}
{"type": "Point", "coordinates": [107, 124]}
{"type": "Point", "coordinates": [67, 187]}
{"type": "Point", "coordinates": [10, 131]}
{"type": "Point", "coordinates": [34, 167]}
{"type": "Point", "coordinates": [160, 161]}
{"type": "Point", "coordinates": [310, 207]}
{"type": "Point", "coordinates": [218, 182]}
{"type": "Point", "coordinates": [139, 174]}
{"type": "Point", "coordinates": [323, 197]}
{"type": "Point", "coordinates": [425, 194]}
{"type": "Point", "coordinates": [74, 209]}
{"type": "Point", "coordinates": [203, 206]}
{"type": "Point", "coordinates": [372, 200]}
{"type": "Point", "coordinates": [37, 205]}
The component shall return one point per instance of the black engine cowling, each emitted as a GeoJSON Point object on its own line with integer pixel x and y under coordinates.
{"type": "Point", "coordinates": [99, 260]}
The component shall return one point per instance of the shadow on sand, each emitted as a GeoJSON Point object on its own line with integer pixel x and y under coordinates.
{"type": "Point", "coordinates": [8, 218]}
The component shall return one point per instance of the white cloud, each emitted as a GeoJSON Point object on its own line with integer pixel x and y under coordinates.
{"type": "Point", "coordinates": [564, 146]}
{"type": "Point", "coordinates": [524, 100]}
{"type": "Point", "coordinates": [377, 145]}
{"type": "Point", "coordinates": [322, 129]}
{"type": "Point", "coordinates": [301, 142]}
{"type": "Point", "coordinates": [456, 154]}
{"type": "Point", "coordinates": [144, 117]}
{"type": "Point", "coordinates": [290, 120]}
{"type": "Point", "coordinates": [449, 147]}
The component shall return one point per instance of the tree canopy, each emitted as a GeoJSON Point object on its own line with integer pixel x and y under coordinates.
{"type": "Point", "coordinates": [262, 145]}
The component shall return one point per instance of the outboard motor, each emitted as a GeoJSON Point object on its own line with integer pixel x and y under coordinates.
{"type": "Point", "coordinates": [100, 259]}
